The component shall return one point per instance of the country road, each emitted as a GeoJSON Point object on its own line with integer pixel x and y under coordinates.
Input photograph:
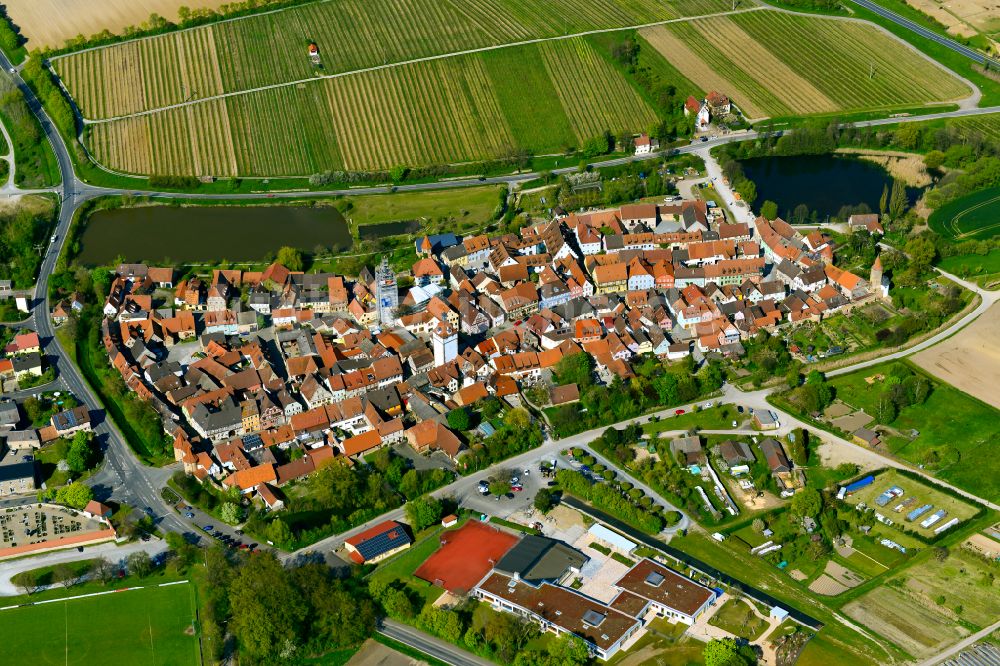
{"type": "Point", "coordinates": [971, 54]}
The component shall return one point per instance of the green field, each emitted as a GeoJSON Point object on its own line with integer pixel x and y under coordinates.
{"type": "Point", "coordinates": [476, 204]}
{"type": "Point", "coordinates": [352, 35]}
{"type": "Point", "coordinates": [443, 111]}
{"type": "Point", "coordinates": [153, 625]}
{"type": "Point", "coordinates": [958, 428]}
{"type": "Point", "coordinates": [983, 268]}
{"type": "Point", "coordinates": [776, 64]}
{"type": "Point", "coordinates": [972, 217]}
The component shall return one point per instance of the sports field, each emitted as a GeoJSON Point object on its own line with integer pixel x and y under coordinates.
{"type": "Point", "coordinates": [458, 109]}
{"type": "Point", "coordinates": [352, 35]}
{"type": "Point", "coordinates": [773, 64]}
{"type": "Point", "coordinates": [972, 217]}
{"type": "Point", "coordinates": [465, 556]}
{"type": "Point", "coordinates": [153, 626]}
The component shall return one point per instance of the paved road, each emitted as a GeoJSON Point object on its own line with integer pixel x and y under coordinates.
{"type": "Point", "coordinates": [127, 479]}
{"type": "Point", "coordinates": [112, 551]}
{"type": "Point", "coordinates": [971, 54]}
{"type": "Point", "coordinates": [435, 647]}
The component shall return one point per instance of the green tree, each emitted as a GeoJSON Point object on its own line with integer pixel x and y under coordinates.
{"type": "Point", "coordinates": [458, 419]}
{"type": "Point", "coordinates": [64, 573]}
{"type": "Point", "coordinates": [423, 512]}
{"type": "Point", "coordinates": [769, 210]}
{"type": "Point", "coordinates": [806, 502]}
{"type": "Point", "coordinates": [75, 495]}
{"type": "Point", "coordinates": [921, 252]}
{"type": "Point", "coordinates": [518, 419]}
{"type": "Point", "coordinates": [278, 532]}
{"type": "Point", "coordinates": [569, 650]}
{"type": "Point", "coordinates": [897, 199]}
{"type": "Point", "coordinates": [576, 369]}
{"type": "Point", "coordinates": [543, 500]}
{"type": "Point", "coordinates": [883, 202]}
{"type": "Point", "coordinates": [139, 564]}
{"type": "Point", "coordinates": [291, 258]}
{"type": "Point", "coordinates": [724, 652]}
{"type": "Point", "coordinates": [934, 160]}
{"type": "Point", "coordinates": [81, 454]}
{"type": "Point", "coordinates": [267, 610]}
{"type": "Point", "coordinates": [231, 513]}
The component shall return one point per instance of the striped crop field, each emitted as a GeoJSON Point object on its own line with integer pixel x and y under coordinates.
{"type": "Point", "coordinates": [439, 111]}
{"type": "Point", "coordinates": [775, 63]}
{"type": "Point", "coordinates": [270, 48]}
{"type": "Point", "coordinates": [985, 127]}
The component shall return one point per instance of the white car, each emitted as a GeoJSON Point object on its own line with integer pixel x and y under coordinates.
{"type": "Point", "coordinates": [514, 480]}
{"type": "Point", "coordinates": [734, 424]}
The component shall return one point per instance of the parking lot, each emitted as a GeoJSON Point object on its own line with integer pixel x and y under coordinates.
{"type": "Point", "coordinates": [504, 506]}
{"type": "Point", "coordinates": [40, 523]}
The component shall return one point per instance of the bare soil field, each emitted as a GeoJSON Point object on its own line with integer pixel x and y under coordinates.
{"type": "Point", "coordinates": [969, 360]}
{"type": "Point", "coordinates": [376, 654]}
{"type": "Point", "coordinates": [49, 23]}
{"type": "Point", "coordinates": [962, 17]}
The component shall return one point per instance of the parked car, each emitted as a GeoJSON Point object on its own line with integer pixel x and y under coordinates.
{"type": "Point", "coordinates": [189, 515]}
{"type": "Point", "coordinates": [678, 412]}
{"type": "Point", "coordinates": [739, 408]}
{"type": "Point", "coordinates": [734, 424]}
{"type": "Point", "coordinates": [207, 528]}
{"type": "Point", "coordinates": [516, 489]}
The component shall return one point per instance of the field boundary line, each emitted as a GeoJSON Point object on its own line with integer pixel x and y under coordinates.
{"type": "Point", "coordinates": [414, 61]}
{"type": "Point", "coordinates": [93, 594]}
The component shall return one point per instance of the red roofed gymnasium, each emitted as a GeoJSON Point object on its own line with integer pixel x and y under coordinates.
{"type": "Point", "coordinates": [466, 555]}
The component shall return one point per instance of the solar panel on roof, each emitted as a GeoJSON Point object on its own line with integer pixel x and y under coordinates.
{"type": "Point", "coordinates": [382, 543]}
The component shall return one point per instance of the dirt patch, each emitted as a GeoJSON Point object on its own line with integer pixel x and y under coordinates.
{"type": "Point", "coordinates": [904, 166]}
{"type": "Point", "coordinates": [853, 421]}
{"type": "Point", "coordinates": [189, 630]}
{"type": "Point", "coordinates": [827, 586]}
{"type": "Point", "coordinates": [970, 360]}
{"type": "Point", "coordinates": [962, 17]}
{"type": "Point", "coordinates": [843, 575]}
{"type": "Point", "coordinates": [376, 654]}
{"type": "Point", "coordinates": [984, 545]}
{"type": "Point", "coordinates": [49, 23]}
{"type": "Point", "coordinates": [797, 575]}
{"type": "Point", "coordinates": [836, 410]}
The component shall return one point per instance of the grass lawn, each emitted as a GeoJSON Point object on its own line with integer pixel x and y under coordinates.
{"type": "Point", "coordinates": [148, 626]}
{"type": "Point", "coordinates": [403, 565]}
{"type": "Point", "coordinates": [739, 619]}
{"type": "Point", "coordinates": [954, 426]}
{"type": "Point", "coordinates": [716, 418]}
{"type": "Point", "coordinates": [822, 651]}
{"type": "Point", "coordinates": [923, 493]}
{"type": "Point", "coordinates": [750, 536]}
{"type": "Point", "coordinates": [475, 204]}
{"type": "Point", "coordinates": [983, 268]}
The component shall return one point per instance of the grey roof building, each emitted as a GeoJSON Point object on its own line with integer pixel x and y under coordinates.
{"type": "Point", "coordinates": [537, 559]}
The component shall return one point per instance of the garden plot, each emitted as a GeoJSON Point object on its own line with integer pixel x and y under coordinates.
{"type": "Point", "coordinates": [835, 579]}
{"type": "Point", "coordinates": [918, 630]}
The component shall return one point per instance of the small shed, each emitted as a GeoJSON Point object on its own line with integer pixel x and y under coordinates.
{"type": "Point", "coordinates": [778, 613]}
{"type": "Point", "coordinates": [449, 521]}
